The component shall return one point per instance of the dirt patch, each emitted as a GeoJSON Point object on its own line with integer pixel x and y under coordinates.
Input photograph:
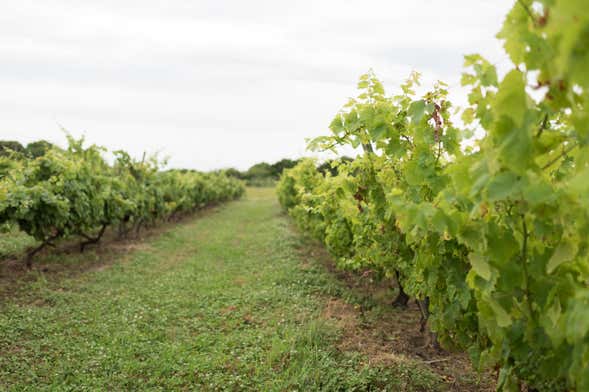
{"type": "Point", "coordinates": [342, 313]}
{"type": "Point", "coordinates": [228, 309]}
{"type": "Point", "coordinates": [395, 339]}
{"type": "Point", "coordinates": [379, 347]}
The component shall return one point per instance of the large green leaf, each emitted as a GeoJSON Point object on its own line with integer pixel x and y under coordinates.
{"type": "Point", "coordinates": [511, 98]}
{"type": "Point", "coordinates": [480, 265]}
{"type": "Point", "coordinates": [564, 252]}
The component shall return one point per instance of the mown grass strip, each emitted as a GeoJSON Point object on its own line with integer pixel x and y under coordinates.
{"type": "Point", "coordinates": [217, 303]}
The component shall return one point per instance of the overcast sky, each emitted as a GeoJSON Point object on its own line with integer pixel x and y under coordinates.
{"type": "Point", "coordinates": [217, 83]}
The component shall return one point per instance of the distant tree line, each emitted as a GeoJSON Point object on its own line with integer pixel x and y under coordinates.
{"type": "Point", "coordinates": [265, 174]}
{"type": "Point", "coordinates": [32, 150]}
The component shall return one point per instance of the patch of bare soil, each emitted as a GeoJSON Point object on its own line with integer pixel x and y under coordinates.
{"type": "Point", "coordinates": [388, 335]}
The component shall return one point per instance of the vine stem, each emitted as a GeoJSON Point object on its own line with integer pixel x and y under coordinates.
{"type": "Point", "coordinates": [34, 251]}
{"type": "Point", "coordinates": [408, 140]}
{"type": "Point", "coordinates": [525, 266]}
{"type": "Point", "coordinates": [542, 126]}
{"type": "Point", "coordinates": [92, 240]}
{"type": "Point", "coordinates": [528, 11]}
{"type": "Point", "coordinates": [564, 152]}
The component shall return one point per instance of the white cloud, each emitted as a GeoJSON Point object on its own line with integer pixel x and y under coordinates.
{"type": "Point", "coordinates": [219, 83]}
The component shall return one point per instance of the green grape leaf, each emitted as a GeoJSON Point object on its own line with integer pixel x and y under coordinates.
{"type": "Point", "coordinates": [580, 182]}
{"type": "Point", "coordinates": [515, 25]}
{"type": "Point", "coordinates": [417, 111]}
{"type": "Point", "coordinates": [501, 316]}
{"type": "Point", "coordinates": [378, 132]}
{"type": "Point", "coordinates": [564, 252]}
{"type": "Point", "coordinates": [539, 192]}
{"type": "Point", "coordinates": [577, 326]}
{"type": "Point", "coordinates": [515, 146]}
{"type": "Point", "coordinates": [480, 265]}
{"type": "Point", "coordinates": [502, 186]}
{"type": "Point", "coordinates": [468, 116]}
{"type": "Point", "coordinates": [510, 100]}
{"type": "Point", "coordinates": [572, 26]}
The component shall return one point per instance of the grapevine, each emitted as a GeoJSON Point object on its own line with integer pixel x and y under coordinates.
{"type": "Point", "coordinates": [490, 235]}
{"type": "Point", "coordinates": [76, 193]}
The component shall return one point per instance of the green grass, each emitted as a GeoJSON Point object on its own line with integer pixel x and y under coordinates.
{"type": "Point", "coordinates": [220, 302]}
{"type": "Point", "coordinates": [14, 242]}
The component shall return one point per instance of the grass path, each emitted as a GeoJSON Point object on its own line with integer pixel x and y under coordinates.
{"type": "Point", "coordinates": [225, 301]}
